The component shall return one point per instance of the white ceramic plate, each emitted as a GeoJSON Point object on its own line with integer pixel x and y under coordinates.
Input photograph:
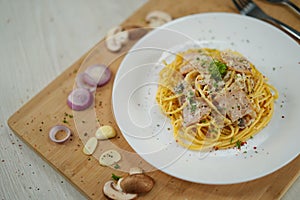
{"type": "Point", "coordinates": [149, 132]}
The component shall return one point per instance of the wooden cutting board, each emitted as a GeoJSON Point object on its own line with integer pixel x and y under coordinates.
{"type": "Point", "coordinates": [33, 121]}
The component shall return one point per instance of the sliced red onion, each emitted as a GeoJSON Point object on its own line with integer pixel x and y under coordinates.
{"type": "Point", "coordinates": [100, 73]}
{"type": "Point", "coordinates": [55, 129]}
{"type": "Point", "coordinates": [80, 99]}
{"type": "Point", "coordinates": [84, 80]}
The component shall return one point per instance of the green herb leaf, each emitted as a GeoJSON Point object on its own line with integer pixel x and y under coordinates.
{"type": "Point", "coordinates": [115, 177]}
{"type": "Point", "coordinates": [191, 93]}
{"type": "Point", "coordinates": [238, 144]}
{"type": "Point", "coordinates": [116, 166]}
{"type": "Point", "coordinates": [217, 70]}
{"type": "Point", "coordinates": [179, 88]}
{"type": "Point", "coordinates": [193, 107]}
{"type": "Point", "coordinates": [222, 68]}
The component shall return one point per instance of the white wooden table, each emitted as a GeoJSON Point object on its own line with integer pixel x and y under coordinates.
{"type": "Point", "coordinates": [38, 40]}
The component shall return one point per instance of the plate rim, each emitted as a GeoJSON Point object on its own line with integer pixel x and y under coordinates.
{"type": "Point", "coordinates": [215, 14]}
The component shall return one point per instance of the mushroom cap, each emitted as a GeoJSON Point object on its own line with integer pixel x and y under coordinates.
{"type": "Point", "coordinates": [137, 183]}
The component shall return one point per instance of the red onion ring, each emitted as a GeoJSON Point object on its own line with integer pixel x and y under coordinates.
{"type": "Point", "coordinates": [100, 73]}
{"type": "Point", "coordinates": [80, 99]}
{"type": "Point", "coordinates": [55, 129]}
{"type": "Point", "coordinates": [84, 80]}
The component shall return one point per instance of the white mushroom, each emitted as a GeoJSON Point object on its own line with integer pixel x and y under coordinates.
{"type": "Point", "coordinates": [90, 146]}
{"type": "Point", "coordinates": [118, 186]}
{"type": "Point", "coordinates": [135, 32]}
{"type": "Point", "coordinates": [105, 132]}
{"type": "Point", "coordinates": [122, 37]}
{"type": "Point", "coordinates": [111, 192]}
{"type": "Point", "coordinates": [156, 23]}
{"type": "Point", "coordinates": [113, 31]}
{"type": "Point", "coordinates": [109, 158]}
{"type": "Point", "coordinates": [157, 18]}
{"type": "Point", "coordinates": [112, 44]}
{"type": "Point", "coordinates": [115, 38]}
{"type": "Point", "coordinates": [135, 170]}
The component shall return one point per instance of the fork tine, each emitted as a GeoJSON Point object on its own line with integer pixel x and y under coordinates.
{"type": "Point", "coordinates": [237, 5]}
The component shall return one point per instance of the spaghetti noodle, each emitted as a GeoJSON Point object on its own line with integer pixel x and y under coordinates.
{"type": "Point", "coordinates": [214, 99]}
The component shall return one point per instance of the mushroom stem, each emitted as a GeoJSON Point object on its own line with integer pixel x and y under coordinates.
{"type": "Point", "coordinates": [111, 192]}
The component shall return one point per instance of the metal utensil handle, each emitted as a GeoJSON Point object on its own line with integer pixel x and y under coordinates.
{"type": "Point", "coordinates": [293, 6]}
{"type": "Point", "coordinates": [289, 29]}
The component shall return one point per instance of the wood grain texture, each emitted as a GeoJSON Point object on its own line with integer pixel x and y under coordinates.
{"type": "Point", "coordinates": [33, 121]}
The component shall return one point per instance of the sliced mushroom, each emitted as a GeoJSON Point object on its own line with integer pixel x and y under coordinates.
{"type": "Point", "coordinates": [115, 38]}
{"type": "Point", "coordinates": [135, 170]}
{"type": "Point", "coordinates": [109, 158]}
{"type": "Point", "coordinates": [105, 132]}
{"type": "Point", "coordinates": [111, 192]}
{"type": "Point", "coordinates": [90, 146]}
{"type": "Point", "coordinates": [113, 31]}
{"type": "Point", "coordinates": [122, 37]}
{"type": "Point", "coordinates": [137, 183]}
{"type": "Point", "coordinates": [135, 32]}
{"type": "Point", "coordinates": [113, 45]}
{"type": "Point", "coordinates": [156, 23]}
{"type": "Point", "coordinates": [118, 186]}
{"type": "Point", "coordinates": [157, 18]}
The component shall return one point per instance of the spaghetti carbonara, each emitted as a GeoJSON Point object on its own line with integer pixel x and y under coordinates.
{"type": "Point", "coordinates": [214, 99]}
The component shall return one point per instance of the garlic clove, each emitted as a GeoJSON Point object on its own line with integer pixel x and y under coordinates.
{"type": "Point", "coordinates": [105, 132]}
{"type": "Point", "coordinates": [90, 146]}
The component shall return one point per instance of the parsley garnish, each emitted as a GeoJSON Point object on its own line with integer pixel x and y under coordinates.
{"type": "Point", "coordinates": [217, 70]}
{"type": "Point", "coordinates": [115, 177]}
{"type": "Point", "coordinates": [193, 107]}
{"type": "Point", "coordinates": [191, 93]}
{"type": "Point", "coordinates": [179, 88]}
{"type": "Point", "coordinates": [238, 144]}
{"type": "Point", "coordinates": [116, 166]}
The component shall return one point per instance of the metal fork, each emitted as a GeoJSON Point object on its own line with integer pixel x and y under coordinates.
{"type": "Point", "coordinates": [288, 3]}
{"type": "Point", "coordinates": [249, 8]}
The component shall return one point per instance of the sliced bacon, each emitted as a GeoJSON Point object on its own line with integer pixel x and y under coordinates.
{"type": "Point", "coordinates": [236, 61]}
{"type": "Point", "coordinates": [186, 69]}
{"type": "Point", "coordinates": [193, 115]}
{"type": "Point", "coordinates": [234, 103]}
{"type": "Point", "coordinates": [196, 60]}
